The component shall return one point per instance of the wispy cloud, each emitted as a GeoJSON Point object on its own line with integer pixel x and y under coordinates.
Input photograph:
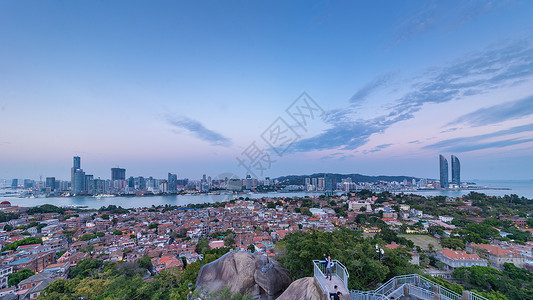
{"type": "Point", "coordinates": [497, 113]}
{"type": "Point", "coordinates": [479, 73]}
{"type": "Point", "coordinates": [378, 148]}
{"type": "Point", "coordinates": [198, 130]}
{"type": "Point", "coordinates": [469, 10]}
{"type": "Point", "coordinates": [478, 142]}
{"type": "Point", "coordinates": [440, 16]}
{"type": "Point", "coordinates": [449, 130]}
{"type": "Point", "coordinates": [414, 24]}
{"type": "Point", "coordinates": [370, 87]}
{"type": "Point", "coordinates": [487, 145]}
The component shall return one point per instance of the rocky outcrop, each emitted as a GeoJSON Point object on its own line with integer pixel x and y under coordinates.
{"type": "Point", "coordinates": [245, 272]}
{"type": "Point", "coordinates": [304, 288]}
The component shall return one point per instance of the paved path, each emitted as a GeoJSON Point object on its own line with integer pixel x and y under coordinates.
{"type": "Point", "coordinates": [330, 284]}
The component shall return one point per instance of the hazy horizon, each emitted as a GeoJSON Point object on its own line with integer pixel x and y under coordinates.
{"type": "Point", "coordinates": [186, 87]}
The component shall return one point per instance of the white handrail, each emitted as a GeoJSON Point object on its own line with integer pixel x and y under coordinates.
{"type": "Point", "coordinates": [421, 287]}
{"type": "Point", "coordinates": [339, 270]}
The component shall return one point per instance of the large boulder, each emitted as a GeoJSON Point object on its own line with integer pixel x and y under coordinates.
{"type": "Point", "coordinates": [245, 272]}
{"type": "Point", "coordinates": [303, 288]}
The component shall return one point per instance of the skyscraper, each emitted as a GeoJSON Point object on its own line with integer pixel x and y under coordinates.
{"type": "Point", "coordinates": [329, 184]}
{"type": "Point", "coordinates": [118, 174]}
{"type": "Point", "coordinates": [456, 171]}
{"type": "Point", "coordinates": [15, 183]}
{"type": "Point", "coordinates": [172, 183]}
{"type": "Point", "coordinates": [78, 182]}
{"type": "Point", "coordinates": [51, 183]}
{"type": "Point", "coordinates": [77, 177]}
{"type": "Point", "coordinates": [249, 182]}
{"type": "Point", "coordinates": [77, 162]}
{"type": "Point", "coordinates": [76, 165]}
{"type": "Point", "coordinates": [28, 183]}
{"type": "Point", "coordinates": [443, 172]}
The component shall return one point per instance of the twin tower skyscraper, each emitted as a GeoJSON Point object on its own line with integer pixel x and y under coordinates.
{"type": "Point", "coordinates": [456, 172]}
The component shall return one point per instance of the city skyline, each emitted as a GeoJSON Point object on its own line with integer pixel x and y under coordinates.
{"type": "Point", "coordinates": [185, 88]}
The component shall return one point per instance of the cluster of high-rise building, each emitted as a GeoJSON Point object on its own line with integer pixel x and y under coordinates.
{"type": "Point", "coordinates": [456, 172]}
{"type": "Point", "coordinates": [82, 183]}
{"type": "Point", "coordinates": [85, 184]}
{"type": "Point", "coordinates": [315, 184]}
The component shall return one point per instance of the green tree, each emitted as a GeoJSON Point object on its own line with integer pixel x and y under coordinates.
{"type": "Point", "coordinates": [146, 263]}
{"type": "Point", "coordinates": [87, 237]}
{"type": "Point", "coordinates": [69, 234]}
{"type": "Point", "coordinates": [305, 211]}
{"type": "Point", "coordinates": [15, 278]}
{"type": "Point", "coordinates": [251, 248]}
{"type": "Point", "coordinates": [453, 243]}
{"type": "Point", "coordinates": [297, 250]}
{"type": "Point", "coordinates": [202, 246]}
{"type": "Point", "coordinates": [45, 208]}
{"type": "Point", "coordinates": [229, 241]}
{"type": "Point", "coordinates": [85, 268]}
{"type": "Point", "coordinates": [26, 241]}
{"type": "Point", "coordinates": [60, 253]}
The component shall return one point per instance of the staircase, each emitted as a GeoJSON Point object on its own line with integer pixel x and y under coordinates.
{"type": "Point", "coordinates": [412, 286]}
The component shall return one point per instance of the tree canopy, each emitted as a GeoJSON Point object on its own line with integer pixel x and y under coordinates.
{"type": "Point", "coordinates": [16, 278]}
{"type": "Point", "coordinates": [366, 267]}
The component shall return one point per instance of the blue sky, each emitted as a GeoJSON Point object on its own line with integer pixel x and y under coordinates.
{"type": "Point", "coordinates": [186, 87]}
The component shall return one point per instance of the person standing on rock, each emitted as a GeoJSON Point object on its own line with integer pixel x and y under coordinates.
{"type": "Point", "coordinates": [329, 265]}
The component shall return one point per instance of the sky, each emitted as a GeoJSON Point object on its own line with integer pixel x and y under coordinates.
{"type": "Point", "coordinates": [269, 88]}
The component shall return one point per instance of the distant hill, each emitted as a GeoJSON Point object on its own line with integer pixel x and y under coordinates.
{"type": "Point", "coordinates": [300, 179]}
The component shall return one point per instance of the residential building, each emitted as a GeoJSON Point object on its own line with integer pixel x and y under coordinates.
{"type": "Point", "coordinates": [497, 256]}
{"type": "Point", "coordinates": [446, 219]}
{"type": "Point", "coordinates": [454, 259]}
{"type": "Point", "coordinates": [4, 272]}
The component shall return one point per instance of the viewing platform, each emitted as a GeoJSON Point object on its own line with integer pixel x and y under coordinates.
{"type": "Point", "coordinates": [339, 278]}
{"type": "Point", "coordinates": [412, 286]}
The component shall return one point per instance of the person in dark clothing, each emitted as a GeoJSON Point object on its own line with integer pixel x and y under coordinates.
{"type": "Point", "coordinates": [324, 261]}
{"type": "Point", "coordinates": [337, 296]}
{"type": "Point", "coordinates": [335, 290]}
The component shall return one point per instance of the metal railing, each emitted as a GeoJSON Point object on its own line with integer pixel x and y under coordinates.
{"type": "Point", "coordinates": [421, 293]}
{"type": "Point", "coordinates": [362, 295]}
{"type": "Point", "coordinates": [474, 296]}
{"type": "Point", "coordinates": [417, 285]}
{"type": "Point", "coordinates": [446, 294]}
{"type": "Point", "coordinates": [341, 271]}
{"type": "Point", "coordinates": [338, 269]}
{"type": "Point", "coordinates": [318, 272]}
